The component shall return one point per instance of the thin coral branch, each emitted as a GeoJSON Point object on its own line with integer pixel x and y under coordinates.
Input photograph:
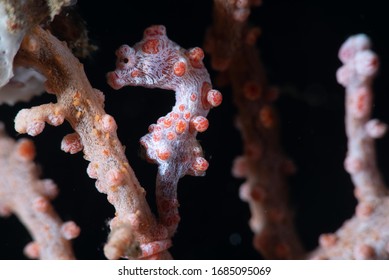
{"type": "Point", "coordinates": [263, 165]}
{"type": "Point", "coordinates": [356, 75]}
{"type": "Point", "coordinates": [366, 234]}
{"type": "Point", "coordinates": [157, 62]}
{"type": "Point", "coordinates": [227, 30]}
{"type": "Point", "coordinates": [82, 106]}
{"type": "Point", "coordinates": [25, 195]}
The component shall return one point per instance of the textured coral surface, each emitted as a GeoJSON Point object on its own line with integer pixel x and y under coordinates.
{"type": "Point", "coordinates": [299, 45]}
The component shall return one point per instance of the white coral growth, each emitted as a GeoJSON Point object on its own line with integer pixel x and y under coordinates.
{"type": "Point", "coordinates": [9, 45]}
{"type": "Point", "coordinates": [25, 84]}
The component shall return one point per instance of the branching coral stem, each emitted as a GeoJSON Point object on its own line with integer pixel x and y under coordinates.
{"type": "Point", "coordinates": [263, 164]}
{"type": "Point", "coordinates": [22, 193]}
{"type": "Point", "coordinates": [365, 235]}
{"type": "Point", "coordinates": [82, 106]}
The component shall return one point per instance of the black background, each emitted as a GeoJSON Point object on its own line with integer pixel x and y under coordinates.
{"type": "Point", "coordinates": [299, 48]}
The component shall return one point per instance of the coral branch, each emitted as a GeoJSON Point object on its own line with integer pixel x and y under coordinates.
{"type": "Point", "coordinates": [82, 106]}
{"type": "Point", "coordinates": [366, 234]}
{"type": "Point", "coordinates": [224, 37]}
{"type": "Point", "coordinates": [263, 165]}
{"type": "Point", "coordinates": [157, 62]}
{"type": "Point", "coordinates": [22, 193]}
{"type": "Point", "coordinates": [357, 73]}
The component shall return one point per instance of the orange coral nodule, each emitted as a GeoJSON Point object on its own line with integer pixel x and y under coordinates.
{"type": "Point", "coordinates": [171, 136]}
{"type": "Point", "coordinates": [32, 250]}
{"type": "Point", "coordinates": [327, 240]}
{"type": "Point", "coordinates": [76, 95]}
{"type": "Point", "coordinates": [34, 128]}
{"type": "Point", "coordinates": [181, 107]}
{"type": "Point", "coordinates": [267, 117]}
{"type": "Point", "coordinates": [240, 167]}
{"type": "Point", "coordinates": [174, 115]}
{"type": "Point", "coordinates": [92, 170]}
{"type": "Point", "coordinates": [252, 91]}
{"type": "Point", "coordinates": [196, 56]}
{"type": "Point", "coordinates": [180, 126]}
{"type": "Point", "coordinates": [353, 164]}
{"type": "Point", "coordinates": [214, 97]}
{"type": "Point", "coordinates": [76, 102]}
{"type": "Point", "coordinates": [257, 194]}
{"type": "Point", "coordinates": [71, 143]}
{"type": "Point", "coordinates": [179, 68]}
{"type": "Point", "coordinates": [155, 247]}
{"type": "Point", "coordinates": [376, 128]}
{"type": "Point", "coordinates": [193, 97]}
{"type": "Point", "coordinates": [282, 250]}
{"type": "Point", "coordinates": [26, 149]}
{"type": "Point", "coordinates": [199, 123]}
{"type": "Point", "coordinates": [200, 164]}
{"type": "Point", "coordinates": [167, 122]}
{"type": "Point", "coordinates": [115, 177]}
{"type": "Point", "coordinates": [151, 46]}
{"type": "Point", "coordinates": [41, 204]}
{"type": "Point", "coordinates": [252, 36]}
{"type": "Point", "coordinates": [167, 204]}
{"type": "Point", "coordinates": [362, 102]}
{"type": "Point", "coordinates": [50, 189]}
{"type": "Point", "coordinates": [108, 123]}
{"type": "Point", "coordinates": [163, 154]}
{"type": "Point", "coordinates": [187, 115]}
{"type": "Point", "coordinates": [364, 252]}
{"type": "Point", "coordinates": [157, 136]}
{"type": "Point", "coordinates": [55, 119]}
{"type": "Point", "coordinates": [364, 210]}
{"type": "Point", "coordinates": [70, 230]}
